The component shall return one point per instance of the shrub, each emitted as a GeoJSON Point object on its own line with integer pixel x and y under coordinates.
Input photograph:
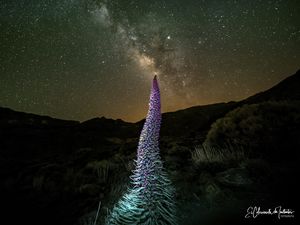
{"type": "Point", "coordinates": [101, 168]}
{"type": "Point", "coordinates": [259, 128]}
{"type": "Point", "coordinates": [212, 154]}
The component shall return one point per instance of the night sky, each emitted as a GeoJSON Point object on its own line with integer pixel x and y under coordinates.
{"type": "Point", "coordinates": [76, 59]}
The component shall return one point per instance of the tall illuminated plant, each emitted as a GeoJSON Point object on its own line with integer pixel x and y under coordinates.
{"type": "Point", "coordinates": [150, 199]}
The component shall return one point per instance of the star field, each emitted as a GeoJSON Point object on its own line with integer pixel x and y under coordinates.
{"type": "Point", "coordinates": [80, 59]}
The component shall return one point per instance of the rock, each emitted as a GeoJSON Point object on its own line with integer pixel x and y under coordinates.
{"type": "Point", "coordinates": [115, 140]}
{"type": "Point", "coordinates": [212, 189]}
{"type": "Point", "coordinates": [236, 177]}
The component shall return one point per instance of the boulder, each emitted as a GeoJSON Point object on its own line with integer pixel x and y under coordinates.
{"type": "Point", "coordinates": [236, 177]}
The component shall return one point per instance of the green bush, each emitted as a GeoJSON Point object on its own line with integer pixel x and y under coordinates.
{"type": "Point", "coordinates": [259, 128]}
{"type": "Point", "coordinates": [210, 154]}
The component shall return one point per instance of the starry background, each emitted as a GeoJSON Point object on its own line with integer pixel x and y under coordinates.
{"type": "Point", "coordinates": [76, 59]}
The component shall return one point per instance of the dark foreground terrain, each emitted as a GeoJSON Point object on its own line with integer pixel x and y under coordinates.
{"type": "Point", "coordinates": [222, 159]}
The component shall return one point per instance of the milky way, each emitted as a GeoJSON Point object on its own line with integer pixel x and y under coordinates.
{"type": "Point", "coordinates": [76, 59]}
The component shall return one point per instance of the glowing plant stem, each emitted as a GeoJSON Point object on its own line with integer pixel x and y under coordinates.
{"type": "Point", "coordinates": [150, 199]}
